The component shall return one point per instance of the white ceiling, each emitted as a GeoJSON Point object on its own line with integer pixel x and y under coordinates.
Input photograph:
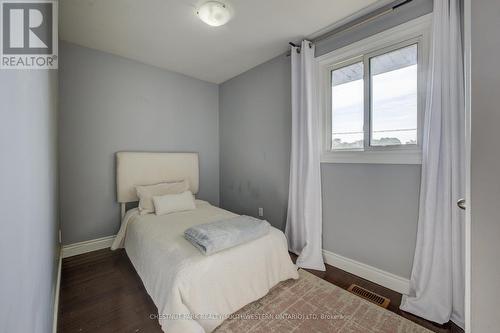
{"type": "Point", "coordinates": [167, 33]}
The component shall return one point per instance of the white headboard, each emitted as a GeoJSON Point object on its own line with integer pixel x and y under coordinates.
{"type": "Point", "coordinates": [137, 168]}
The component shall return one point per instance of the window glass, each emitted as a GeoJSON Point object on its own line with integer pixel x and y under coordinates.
{"type": "Point", "coordinates": [394, 98]}
{"type": "Point", "coordinates": [347, 107]}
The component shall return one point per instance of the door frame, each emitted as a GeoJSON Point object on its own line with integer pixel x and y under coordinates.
{"type": "Point", "coordinates": [467, 80]}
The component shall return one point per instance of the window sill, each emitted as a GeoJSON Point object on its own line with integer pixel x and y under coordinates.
{"type": "Point", "coordinates": [373, 157]}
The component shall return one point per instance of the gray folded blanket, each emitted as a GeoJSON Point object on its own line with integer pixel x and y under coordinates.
{"type": "Point", "coordinates": [213, 237]}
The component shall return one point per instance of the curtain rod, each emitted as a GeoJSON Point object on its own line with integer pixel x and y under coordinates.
{"type": "Point", "coordinates": [364, 19]}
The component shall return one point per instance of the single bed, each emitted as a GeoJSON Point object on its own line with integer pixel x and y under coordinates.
{"type": "Point", "coordinates": [193, 292]}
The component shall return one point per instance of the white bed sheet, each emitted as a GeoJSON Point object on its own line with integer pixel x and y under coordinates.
{"type": "Point", "coordinates": [193, 292]}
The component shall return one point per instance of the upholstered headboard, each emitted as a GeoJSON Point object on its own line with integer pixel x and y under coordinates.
{"type": "Point", "coordinates": [138, 168]}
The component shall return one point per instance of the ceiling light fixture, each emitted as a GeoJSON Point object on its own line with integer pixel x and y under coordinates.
{"type": "Point", "coordinates": [214, 13]}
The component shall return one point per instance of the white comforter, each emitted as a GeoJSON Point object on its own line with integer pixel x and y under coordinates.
{"type": "Point", "coordinates": [193, 292]}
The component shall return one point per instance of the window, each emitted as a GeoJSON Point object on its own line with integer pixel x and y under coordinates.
{"type": "Point", "coordinates": [388, 94]}
{"type": "Point", "coordinates": [373, 97]}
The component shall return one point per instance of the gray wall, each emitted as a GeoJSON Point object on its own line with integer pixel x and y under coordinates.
{"type": "Point", "coordinates": [28, 195]}
{"type": "Point", "coordinates": [370, 212]}
{"type": "Point", "coordinates": [109, 104]}
{"type": "Point", "coordinates": [255, 125]}
{"type": "Point", "coordinates": [485, 179]}
{"type": "Point", "coordinates": [401, 15]}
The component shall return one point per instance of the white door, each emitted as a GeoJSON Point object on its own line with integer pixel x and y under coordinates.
{"type": "Point", "coordinates": [482, 23]}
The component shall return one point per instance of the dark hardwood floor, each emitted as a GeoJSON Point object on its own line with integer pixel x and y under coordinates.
{"type": "Point", "coordinates": [102, 293]}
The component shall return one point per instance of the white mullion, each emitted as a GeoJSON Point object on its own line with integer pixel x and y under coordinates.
{"type": "Point", "coordinates": [366, 103]}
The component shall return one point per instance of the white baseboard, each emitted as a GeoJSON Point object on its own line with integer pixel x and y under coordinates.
{"type": "Point", "coordinates": [370, 273]}
{"type": "Point", "coordinates": [87, 246]}
{"type": "Point", "coordinates": [55, 317]}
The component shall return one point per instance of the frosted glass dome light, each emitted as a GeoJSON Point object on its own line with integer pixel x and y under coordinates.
{"type": "Point", "coordinates": [214, 13]}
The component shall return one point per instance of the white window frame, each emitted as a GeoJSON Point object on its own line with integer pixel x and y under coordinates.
{"type": "Point", "coordinates": [409, 33]}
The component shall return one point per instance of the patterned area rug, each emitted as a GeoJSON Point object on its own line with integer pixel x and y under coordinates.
{"type": "Point", "coordinates": [311, 304]}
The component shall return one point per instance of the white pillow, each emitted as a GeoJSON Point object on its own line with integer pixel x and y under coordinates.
{"type": "Point", "coordinates": [147, 192]}
{"type": "Point", "coordinates": [171, 203]}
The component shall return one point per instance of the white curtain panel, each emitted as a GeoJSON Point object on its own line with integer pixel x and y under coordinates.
{"type": "Point", "coordinates": [438, 279]}
{"type": "Point", "coordinates": [304, 220]}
